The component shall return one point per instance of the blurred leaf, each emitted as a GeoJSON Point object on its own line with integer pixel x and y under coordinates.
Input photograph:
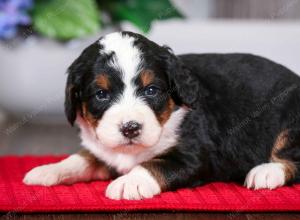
{"type": "Point", "coordinates": [140, 12]}
{"type": "Point", "coordinates": [65, 19]}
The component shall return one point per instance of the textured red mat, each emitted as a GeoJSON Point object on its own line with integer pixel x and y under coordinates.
{"type": "Point", "coordinates": [87, 197]}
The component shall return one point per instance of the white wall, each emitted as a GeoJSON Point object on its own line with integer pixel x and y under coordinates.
{"type": "Point", "coordinates": [32, 77]}
{"type": "Point", "coordinates": [279, 41]}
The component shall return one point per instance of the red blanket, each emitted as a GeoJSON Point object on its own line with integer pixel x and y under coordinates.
{"type": "Point", "coordinates": [87, 197]}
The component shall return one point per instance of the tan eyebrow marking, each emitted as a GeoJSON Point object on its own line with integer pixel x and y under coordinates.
{"type": "Point", "coordinates": [103, 81]}
{"type": "Point", "coordinates": [147, 77]}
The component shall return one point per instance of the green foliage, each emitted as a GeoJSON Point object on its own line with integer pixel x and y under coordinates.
{"type": "Point", "coordinates": [140, 12]}
{"type": "Point", "coordinates": [66, 19]}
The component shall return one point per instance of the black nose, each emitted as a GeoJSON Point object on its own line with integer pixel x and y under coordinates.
{"type": "Point", "coordinates": [131, 129]}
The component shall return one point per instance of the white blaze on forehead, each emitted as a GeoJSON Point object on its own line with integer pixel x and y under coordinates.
{"type": "Point", "coordinates": [127, 57]}
{"type": "Point", "coordinates": [128, 107]}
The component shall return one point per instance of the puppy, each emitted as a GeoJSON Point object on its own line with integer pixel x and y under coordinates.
{"type": "Point", "coordinates": [158, 122]}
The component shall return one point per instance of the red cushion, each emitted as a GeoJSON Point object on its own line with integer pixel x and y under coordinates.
{"type": "Point", "coordinates": [15, 196]}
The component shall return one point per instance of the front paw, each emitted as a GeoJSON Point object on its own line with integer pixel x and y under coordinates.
{"type": "Point", "coordinates": [46, 175]}
{"type": "Point", "coordinates": [137, 184]}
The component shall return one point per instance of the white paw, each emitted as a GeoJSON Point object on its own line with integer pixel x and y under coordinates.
{"type": "Point", "coordinates": [266, 176]}
{"type": "Point", "coordinates": [46, 175]}
{"type": "Point", "coordinates": [137, 184]}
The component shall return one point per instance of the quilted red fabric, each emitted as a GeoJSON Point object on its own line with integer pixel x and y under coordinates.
{"type": "Point", "coordinates": [88, 197]}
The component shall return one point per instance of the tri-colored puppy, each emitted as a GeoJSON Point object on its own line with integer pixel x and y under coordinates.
{"type": "Point", "coordinates": [159, 122]}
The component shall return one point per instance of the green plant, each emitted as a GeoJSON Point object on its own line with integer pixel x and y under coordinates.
{"type": "Point", "coordinates": [67, 19]}
{"type": "Point", "coordinates": [140, 12]}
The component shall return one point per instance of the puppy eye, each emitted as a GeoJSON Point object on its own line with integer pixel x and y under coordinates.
{"type": "Point", "coordinates": [151, 91]}
{"type": "Point", "coordinates": [102, 95]}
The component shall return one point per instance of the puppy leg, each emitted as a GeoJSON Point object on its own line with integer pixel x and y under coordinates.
{"type": "Point", "coordinates": [137, 184]}
{"type": "Point", "coordinates": [282, 168]}
{"type": "Point", "coordinates": [151, 178]}
{"type": "Point", "coordinates": [79, 167]}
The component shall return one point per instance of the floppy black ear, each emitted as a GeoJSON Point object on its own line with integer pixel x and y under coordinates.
{"type": "Point", "coordinates": [79, 68]}
{"type": "Point", "coordinates": [185, 85]}
{"type": "Point", "coordinates": [72, 100]}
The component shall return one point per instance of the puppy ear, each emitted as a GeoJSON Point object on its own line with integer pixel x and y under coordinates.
{"type": "Point", "coordinates": [186, 87]}
{"type": "Point", "coordinates": [72, 101]}
{"type": "Point", "coordinates": [79, 68]}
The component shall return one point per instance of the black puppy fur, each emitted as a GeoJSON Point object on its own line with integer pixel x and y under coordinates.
{"type": "Point", "coordinates": [239, 105]}
{"type": "Point", "coordinates": [247, 102]}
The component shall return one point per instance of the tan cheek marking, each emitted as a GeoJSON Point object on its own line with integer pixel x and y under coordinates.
{"type": "Point", "coordinates": [165, 115]}
{"type": "Point", "coordinates": [103, 81]}
{"type": "Point", "coordinates": [153, 167]}
{"type": "Point", "coordinates": [281, 142]}
{"type": "Point", "coordinates": [147, 77]}
{"type": "Point", "coordinates": [95, 163]}
{"type": "Point", "coordinates": [89, 117]}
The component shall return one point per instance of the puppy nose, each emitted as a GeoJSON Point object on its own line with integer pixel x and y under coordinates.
{"type": "Point", "coordinates": [131, 129]}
